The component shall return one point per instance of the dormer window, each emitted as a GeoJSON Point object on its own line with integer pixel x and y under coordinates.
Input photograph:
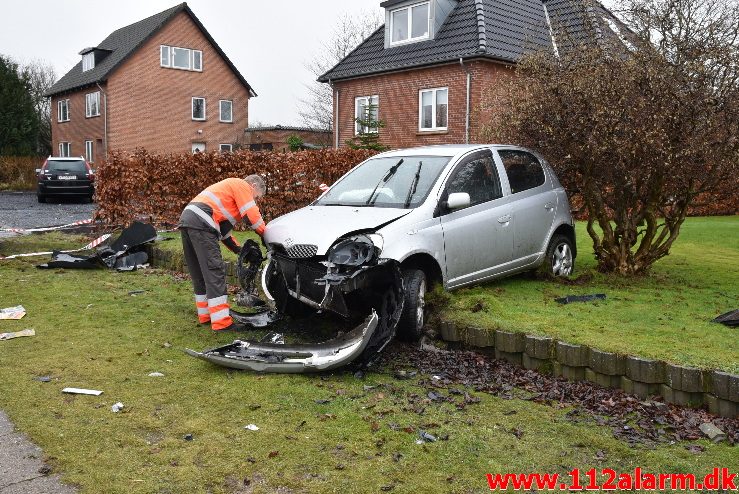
{"type": "Point", "coordinates": [409, 24]}
{"type": "Point", "coordinates": [88, 61]}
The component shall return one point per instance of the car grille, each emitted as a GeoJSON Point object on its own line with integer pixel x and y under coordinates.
{"type": "Point", "coordinates": [301, 251]}
{"type": "Point", "coordinates": [308, 272]}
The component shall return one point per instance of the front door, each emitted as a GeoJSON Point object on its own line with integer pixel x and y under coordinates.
{"type": "Point", "coordinates": [478, 239]}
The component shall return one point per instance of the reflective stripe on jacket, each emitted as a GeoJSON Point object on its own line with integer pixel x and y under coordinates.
{"type": "Point", "coordinates": [229, 201]}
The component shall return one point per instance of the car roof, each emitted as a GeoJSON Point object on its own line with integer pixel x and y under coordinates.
{"type": "Point", "coordinates": [66, 158]}
{"type": "Point", "coordinates": [440, 150]}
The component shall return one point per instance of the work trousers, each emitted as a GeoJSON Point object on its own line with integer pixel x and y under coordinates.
{"type": "Point", "coordinates": [208, 272]}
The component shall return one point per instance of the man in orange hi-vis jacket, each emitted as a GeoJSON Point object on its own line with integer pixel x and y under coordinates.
{"type": "Point", "coordinates": [208, 219]}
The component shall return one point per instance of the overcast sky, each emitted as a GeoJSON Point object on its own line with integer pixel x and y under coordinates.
{"type": "Point", "coordinates": [269, 42]}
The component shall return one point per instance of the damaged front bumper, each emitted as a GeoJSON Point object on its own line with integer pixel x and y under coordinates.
{"type": "Point", "coordinates": [280, 358]}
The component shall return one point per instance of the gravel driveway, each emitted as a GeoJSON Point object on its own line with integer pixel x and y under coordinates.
{"type": "Point", "coordinates": [22, 210]}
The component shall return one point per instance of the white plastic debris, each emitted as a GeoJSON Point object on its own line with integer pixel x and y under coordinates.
{"type": "Point", "coordinates": [251, 427]}
{"type": "Point", "coordinates": [14, 313]}
{"type": "Point", "coordinates": [80, 391]}
{"type": "Point", "coordinates": [17, 334]}
{"type": "Point", "coordinates": [156, 374]}
{"type": "Point", "coordinates": [117, 407]}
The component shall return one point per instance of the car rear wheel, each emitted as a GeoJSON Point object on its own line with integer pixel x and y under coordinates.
{"type": "Point", "coordinates": [560, 260]}
{"type": "Point", "coordinates": [411, 323]}
{"type": "Point", "coordinates": [41, 198]}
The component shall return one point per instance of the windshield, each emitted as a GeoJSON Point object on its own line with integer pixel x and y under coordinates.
{"type": "Point", "coordinates": [66, 166]}
{"type": "Point", "coordinates": [382, 182]}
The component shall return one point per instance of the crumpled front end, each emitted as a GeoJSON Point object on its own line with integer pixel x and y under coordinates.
{"type": "Point", "coordinates": [350, 281]}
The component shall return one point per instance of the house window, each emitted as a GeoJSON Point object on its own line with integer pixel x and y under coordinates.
{"type": "Point", "coordinates": [226, 110]}
{"type": "Point", "coordinates": [198, 108]}
{"type": "Point", "coordinates": [361, 111]}
{"type": "Point", "coordinates": [65, 149]}
{"type": "Point", "coordinates": [409, 24]}
{"type": "Point", "coordinates": [62, 110]}
{"type": "Point", "coordinates": [92, 104]}
{"type": "Point", "coordinates": [88, 152]}
{"type": "Point", "coordinates": [226, 148]}
{"type": "Point", "coordinates": [433, 109]}
{"type": "Point", "coordinates": [88, 61]}
{"type": "Point", "coordinates": [180, 58]}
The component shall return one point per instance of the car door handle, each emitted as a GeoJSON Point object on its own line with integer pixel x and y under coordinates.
{"type": "Point", "coordinates": [549, 206]}
{"type": "Point", "coordinates": [504, 219]}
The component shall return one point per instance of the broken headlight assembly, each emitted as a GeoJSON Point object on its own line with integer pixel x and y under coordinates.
{"type": "Point", "coordinates": [359, 250]}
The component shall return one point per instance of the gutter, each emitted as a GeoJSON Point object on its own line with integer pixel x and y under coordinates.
{"type": "Point", "coordinates": [467, 112]}
{"type": "Point", "coordinates": [105, 121]}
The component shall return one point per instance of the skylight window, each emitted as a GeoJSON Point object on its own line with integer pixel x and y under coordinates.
{"type": "Point", "coordinates": [410, 24]}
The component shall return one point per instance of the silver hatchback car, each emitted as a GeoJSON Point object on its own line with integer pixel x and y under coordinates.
{"type": "Point", "coordinates": [453, 214]}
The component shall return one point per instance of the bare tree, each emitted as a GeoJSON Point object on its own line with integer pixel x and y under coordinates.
{"type": "Point", "coordinates": [638, 133]}
{"type": "Point", "coordinates": [316, 110]}
{"type": "Point", "coordinates": [40, 76]}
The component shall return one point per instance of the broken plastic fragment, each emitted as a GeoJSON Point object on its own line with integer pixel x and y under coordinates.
{"type": "Point", "coordinates": [580, 298]}
{"type": "Point", "coordinates": [17, 334]}
{"type": "Point", "coordinates": [251, 427]}
{"type": "Point", "coordinates": [156, 374]}
{"type": "Point", "coordinates": [13, 313]}
{"type": "Point", "coordinates": [117, 407]}
{"type": "Point", "coordinates": [80, 391]}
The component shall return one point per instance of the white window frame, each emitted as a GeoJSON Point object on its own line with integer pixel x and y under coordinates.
{"type": "Point", "coordinates": [169, 50]}
{"type": "Point", "coordinates": [62, 146]}
{"type": "Point", "coordinates": [411, 39]}
{"type": "Point", "coordinates": [230, 148]}
{"type": "Point", "coordinates": [192, 108]}
{"type": "Point", "coordinates": [62, 103]}
{"type": "Point", "coordinates": [220, 110]}
{"type": "Point", "coordinates": [89, 97]}
{"type": "Point", "coordinates": [89, 151]}
{"type": "Point", "coordinates": [367, 99]}
{"type": "Point", "coordinates": [88, 61]}
{"type": "Point", "coordinates": [433, 127]}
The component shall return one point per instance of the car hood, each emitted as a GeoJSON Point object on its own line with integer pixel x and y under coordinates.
{"type": "Point", "coordinates": [322, 225]}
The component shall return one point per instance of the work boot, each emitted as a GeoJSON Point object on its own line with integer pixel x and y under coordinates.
{"type": "Point", "coordinates": [234, 326]}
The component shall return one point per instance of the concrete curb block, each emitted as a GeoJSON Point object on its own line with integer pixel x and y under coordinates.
{"type": "Point", "coordinates": [509, 342]}
{"type": "Point", "coordinates": [645, 370]}
{"type": "Point", "coordinates": [725, 386]}
{"type": "Point", "coordinates": [539, 347]}
{"type": "Point", "coordinates": [606, 363]}
{"type": "Point", "coordinates": [478, 337]}
{"type": "Point", "coordinates": [686, 379]}
{"type": "Point", "coordinates": [573, 355]}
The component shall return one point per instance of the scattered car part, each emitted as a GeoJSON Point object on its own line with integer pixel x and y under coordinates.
{"type": "Point", "coordinates": [17, 334]}
{"type": "Point", "coordinates": [14, 313]}
{"type": "Point", "coordinates": [247, 268]}
{"type": "Point", "coordinates": [123, 254]}
{"type": "Point", "coordinates": [580, 298]}
{"type": "Point", "coordinates": [117, 407]}
{"type": "Point", "coordinates": [730, 318]}
{"type": "Point", "coordinates": [275, 357]}
{"type": "Point", "coordinates": [80, 391]}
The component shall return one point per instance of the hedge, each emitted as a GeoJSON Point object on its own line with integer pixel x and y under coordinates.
{"type": "Point", "coordinates": [19, 172]}
{"type": "Point", "coordinates": [156, 188]}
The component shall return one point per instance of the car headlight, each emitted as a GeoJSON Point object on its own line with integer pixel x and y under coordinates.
{"type": "Point", "coordinates": [378, 240]}
{"type": "Point", "coordinates": [353, 251]}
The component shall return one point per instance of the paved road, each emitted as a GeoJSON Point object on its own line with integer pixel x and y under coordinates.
{"type": "Point", "coordinates": [22, 210]}
{"type": "Point", "coordinates": [21, 467]}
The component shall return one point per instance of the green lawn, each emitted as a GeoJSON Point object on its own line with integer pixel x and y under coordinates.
{"type": "Point", "coordinates": [91, 333]}
{"type": "Point", "coordinates": [665, 315]}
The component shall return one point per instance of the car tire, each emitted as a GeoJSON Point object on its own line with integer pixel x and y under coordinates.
{"type": "Point", "coordinates": [560, 257]}
{"type": "Point", "coordinates": [415, 284]}
{"type": "Point", "coordinates": [41, 198]}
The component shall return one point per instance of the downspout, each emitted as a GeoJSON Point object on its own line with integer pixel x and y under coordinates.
{"type": "Point", "coordinates": [105, 121]}
{"type": "Point", "coordinates": [335, 94]}
{"type": "Point", "coordinates": [467, 112]}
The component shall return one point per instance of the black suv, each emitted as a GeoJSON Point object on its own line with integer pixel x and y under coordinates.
{"type": "Point", "coordinates": [65, 177]}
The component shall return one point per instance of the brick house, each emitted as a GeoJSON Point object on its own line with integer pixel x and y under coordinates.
{"type": "Point", "coordinates": [427, 69]}
{"type": "Point", "coordinates": [274, 138]}
{"type": "Point", "coordinates": [162, 84]}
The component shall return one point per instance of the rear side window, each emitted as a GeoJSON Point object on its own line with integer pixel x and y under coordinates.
{"type": "Point", "coordinates": [477, 176]}
{"type": "Point", "coordinates": [66, 166]}
{"type": "Point", "coordinates": [523, 169]}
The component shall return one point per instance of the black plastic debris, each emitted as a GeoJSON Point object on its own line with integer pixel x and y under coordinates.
{"type": "Point", "coordinates": [580, 298]}
{"type": "Point", "coordinates": [730, 318]}
{"type": "Point", "coordinates": [125, 253]}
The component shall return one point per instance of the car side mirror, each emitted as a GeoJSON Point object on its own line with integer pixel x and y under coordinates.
{"type": "Point", "coordinates": [458, 200]}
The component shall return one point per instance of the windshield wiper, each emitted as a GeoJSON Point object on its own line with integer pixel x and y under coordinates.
{"type": "Point", "coordinates": [383, 181]}
{"type": "Point", "coordinates": [413, 186]}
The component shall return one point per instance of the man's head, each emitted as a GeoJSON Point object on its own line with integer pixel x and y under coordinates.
{"type": "Point", "coordinates": [257, 184]}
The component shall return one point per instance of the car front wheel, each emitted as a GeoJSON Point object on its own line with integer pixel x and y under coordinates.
{"type": "Point", "coordinates": [41, 198]}
{"type": "Point", "coordinates": [411, 323]}
{"type": "Point", "coordinates": [560, 259]}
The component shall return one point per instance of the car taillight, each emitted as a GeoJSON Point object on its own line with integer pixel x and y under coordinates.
{"type": "Point", "coordinates": [90, 171]}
